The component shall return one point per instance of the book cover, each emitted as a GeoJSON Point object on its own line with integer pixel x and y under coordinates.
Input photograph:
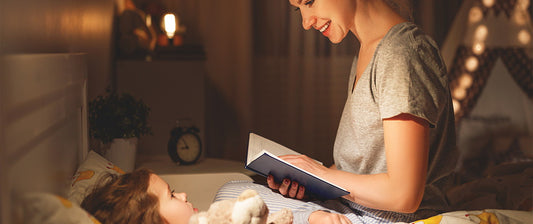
{"type": "Point", "coordinates": [263, 159]}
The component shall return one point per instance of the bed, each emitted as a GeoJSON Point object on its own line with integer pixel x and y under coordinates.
{"type": "Point", "coordinates": [46, 166]}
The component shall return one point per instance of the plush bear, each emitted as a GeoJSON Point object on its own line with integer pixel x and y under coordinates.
{"type": "Point", "coordinates": [248, 208]}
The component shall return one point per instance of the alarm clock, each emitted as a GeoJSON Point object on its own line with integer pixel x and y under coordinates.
{"type": "Point", "coordinates": [184, 146]}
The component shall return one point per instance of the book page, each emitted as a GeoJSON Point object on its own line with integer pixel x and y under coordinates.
{"type": "Point", "coordinates": [257, 144]}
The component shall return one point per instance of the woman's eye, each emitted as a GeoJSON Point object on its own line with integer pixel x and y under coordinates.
{"type": "Point", "coordinates": [309, 2]}
{"type": "Point", "coordinates": [172, 194]}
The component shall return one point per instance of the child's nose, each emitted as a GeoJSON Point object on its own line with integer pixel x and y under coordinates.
{"type": "Point", "coordinates": [182, 196]}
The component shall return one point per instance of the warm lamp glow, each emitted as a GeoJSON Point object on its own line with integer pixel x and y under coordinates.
{"type": "Point", "coordinates": [481, 33]}
{"type": "Point", "coordinates": [475, 15]}
{"type": "Point", "coordinates": [459, 93]}
{"type": "Point", "coordinates": [471, 63]}
{"type": "Point", "coordinates": [478, 48]}
{"type": "Point", "coordinates": [524, 37]}
{"type": "Point", "coordinates": [465, 81]}
{"type": "Point", "coordinates": [523, 4]}
{"type": "Point", "coordinates": [169, 24]}
{"type": "Point", "coordinates": [488, 3]}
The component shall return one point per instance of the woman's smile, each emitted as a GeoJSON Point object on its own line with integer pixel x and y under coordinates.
{"type": "Point", "coordinates": [325, 29]}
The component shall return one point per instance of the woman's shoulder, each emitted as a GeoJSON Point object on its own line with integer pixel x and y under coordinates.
{"type": "Point", "coordinates": [406, 39]}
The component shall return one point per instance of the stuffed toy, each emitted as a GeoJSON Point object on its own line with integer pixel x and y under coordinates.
{"type": "Point", "coordinates": [248, 208]}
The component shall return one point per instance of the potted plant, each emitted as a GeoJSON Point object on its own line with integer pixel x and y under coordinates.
{"type": "Point", "coordinates": [118, 121]}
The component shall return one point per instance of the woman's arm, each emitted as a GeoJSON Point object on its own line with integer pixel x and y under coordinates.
{"type": "Point", "coordinates": [401, 188]}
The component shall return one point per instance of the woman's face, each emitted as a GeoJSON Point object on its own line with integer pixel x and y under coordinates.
{"type": "Point", "coordinates": [173, 207]}
{"type": "Point", "coordinates": [333, 18]}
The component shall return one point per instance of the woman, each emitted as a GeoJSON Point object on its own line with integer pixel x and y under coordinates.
{"type": "Point", "coordinates": [138, 197]}
{"type": "Point", "coordinates": [395, 145]}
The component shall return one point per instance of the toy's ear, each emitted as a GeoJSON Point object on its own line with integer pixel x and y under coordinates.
{"type": "Point", "coordinates": [249, 208]}
{"type": "Point", "coordinates": [199, 218]}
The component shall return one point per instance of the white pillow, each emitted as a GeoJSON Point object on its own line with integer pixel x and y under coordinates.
{"type": "Point", "coordinates": [88, 174]}
{"type": "Point", "coordinates": [47, 208]}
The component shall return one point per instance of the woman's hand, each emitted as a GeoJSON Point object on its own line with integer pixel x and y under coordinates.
{"type": "Point", "coordinates": [287, 187]}
{"type": "Point", "coordinates": [292, 188]}
{"type": "Point", "coordinates": [320, 217]}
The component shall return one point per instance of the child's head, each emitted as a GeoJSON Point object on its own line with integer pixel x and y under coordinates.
{"type": "Point", "coordinates": [137, 197]}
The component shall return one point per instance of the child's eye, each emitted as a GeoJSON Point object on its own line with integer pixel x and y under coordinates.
{"type": "Point", "coordinates": [172, 194]}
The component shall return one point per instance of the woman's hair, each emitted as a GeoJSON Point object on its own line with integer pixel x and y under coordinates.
{"type": "Point", "coordinates": [124, 199]}
{"type": "Point", "coordinates": [402, 7]}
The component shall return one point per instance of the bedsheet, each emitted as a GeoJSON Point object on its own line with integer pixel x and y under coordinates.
{"type": "Point", "coordinates": [485, 216]}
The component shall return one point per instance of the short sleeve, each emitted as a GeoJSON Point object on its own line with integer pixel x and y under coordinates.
{"type": "Point", "coordinates": [410, 78]}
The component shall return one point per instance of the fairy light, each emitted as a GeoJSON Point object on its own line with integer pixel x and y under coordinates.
{"type": "Point", "coordinates": [478, 48]}
{"type": "Point", "coordinates": [524, 37]}
{"type": "Point", "coordinates": [523, 4]}
{"type": "Point", "coordinates": [488, 3]}
{"type": "Point", "coordinates": [475, 15]}
{"type": "Point", "coordinates": [481, 33]}
{"type": "Point", "coordinates": [471, 63]}
{"type": "Point", "coordinates": [459, 93]}
{"type": "Point", "coordinates": [466, 80]}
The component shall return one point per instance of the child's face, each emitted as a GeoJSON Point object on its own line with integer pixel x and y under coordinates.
{"type": "Point", "coordinates": [173, 207]}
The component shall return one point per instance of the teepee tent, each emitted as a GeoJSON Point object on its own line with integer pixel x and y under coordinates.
{"type": "Point", "coordinates": [489, 54]}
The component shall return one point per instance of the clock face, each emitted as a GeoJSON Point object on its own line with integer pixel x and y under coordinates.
{"type": "Point", "coordinates": [188, 148]}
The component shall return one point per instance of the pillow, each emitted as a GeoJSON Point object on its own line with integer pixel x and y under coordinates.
{"type": "Point", "coordinates": [88, 174]}
{"type": "Point", "coordinates": [47, 208]}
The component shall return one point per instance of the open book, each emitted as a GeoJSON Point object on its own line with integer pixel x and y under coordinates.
{"type": "Point", "coordinates": [263, 159]}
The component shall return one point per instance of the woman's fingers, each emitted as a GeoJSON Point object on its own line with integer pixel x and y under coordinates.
{"type": "Point", "coordinates": [286, 187]}
{"type": "Point", "coordinates": [271, 183]}
{"type": "Point", "coordinates": [301, 192]}
{"type": "Point", "coordinates": [293, 190]}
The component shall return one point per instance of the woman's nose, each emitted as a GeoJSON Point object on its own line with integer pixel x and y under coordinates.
{"type": "Point", "coordinates": [307, 20]}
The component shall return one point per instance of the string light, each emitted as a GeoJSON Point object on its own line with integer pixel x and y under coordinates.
{"type": "Point", "coordinates": [466, 80]}
{"type": "Point", "coordinates": [471, 63]}
{"type": "Point", "coordinates": [524, 37]}
{"type": "Point", "coordinates": [481, 33]}
{"type": "Point", "coordinates": [459, 93]}
{"type": "Point", "coordinates": [475, 15]}
{"type": "Point", "coordinates": [478, 48]}
{"type": "Point", "coordinates": [488, 3]}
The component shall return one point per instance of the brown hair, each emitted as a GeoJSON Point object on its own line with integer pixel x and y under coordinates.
{"type": "Point", "coordinates": [124, 199]}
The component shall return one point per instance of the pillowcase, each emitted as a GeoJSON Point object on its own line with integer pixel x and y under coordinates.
{"type": "Point", "coordinates": [47, 208]}
{"type": "Point", "coordinates": [88, 174]}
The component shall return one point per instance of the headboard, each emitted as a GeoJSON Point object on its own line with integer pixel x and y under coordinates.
{"type": "Point", "coordinates": [43, 124]}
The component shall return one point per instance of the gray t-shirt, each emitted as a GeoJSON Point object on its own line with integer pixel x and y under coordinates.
{"type": "Point", "coordinates": [405, 75]}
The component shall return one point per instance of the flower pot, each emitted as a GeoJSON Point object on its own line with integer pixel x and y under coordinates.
{"type": "Point", "coordinates": [122, 153]}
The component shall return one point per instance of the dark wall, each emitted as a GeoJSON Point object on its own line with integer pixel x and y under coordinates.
{"type": "Point", "coordinates": [61, 26]}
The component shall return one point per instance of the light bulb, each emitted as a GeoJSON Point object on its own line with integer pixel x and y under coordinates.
{"type": "Point", "coordinates": [478, 48]}
{"type": "Point", "coordinates": [471, 63]}
{"type": "Point", "coordinates": [475, 15]}
{"type": "Point", "coordinates": [524, 37]}
{"type": "Point", "coordinates": [170, 24]}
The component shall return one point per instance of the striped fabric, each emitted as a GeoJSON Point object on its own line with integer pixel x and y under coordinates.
{"type": "Point", "coordinates": [302, 209]}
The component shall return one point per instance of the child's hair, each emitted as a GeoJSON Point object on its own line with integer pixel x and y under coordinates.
{"type": "Point", "coordinates": [124, 199]}
{"type": "Point", "coordinates": [402, 7]}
